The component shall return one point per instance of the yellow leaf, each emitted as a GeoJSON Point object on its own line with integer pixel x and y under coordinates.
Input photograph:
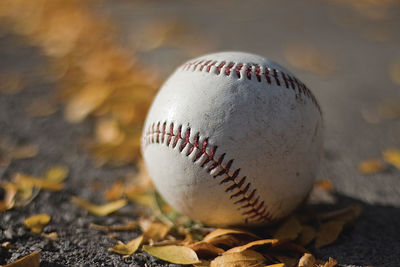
{"type": "Point", "coordinates": [21, 178]}
{"type": "Point", "coordinates": [371, 166]}
{"type": "Point", "coordinates": [129, 248]}
{"type": "Point", "coordinates": [276, 265]}
{"type": "Point", "coordinates": [290, 229]}
{"type": "Point", "coordinates": [25, 151]}
{"type": "Point", "coordinates": [392, 156]}
{"type": "Point", "coordinates": [307, 235]}
{"type": "Point", "coordinates": [328, 233]}
{"type": "Point", "coordinates": [155, 231]}
{"type": "Point", "coordinates": [239, 259]}
{"type": "Point", "coordinates": [56, 174]}
{"type": "Point", "coordinates": [307, 260]}
{"type": "Point", "coordinates": [99, 210]}
{"type": "Point", "coordinates": [253, 244]}
{"type": "Point", "coordinates": [173, 254]}
{"type": "Point", "coordinates": [220, 232]}
{"type": "Point", "coordinates": [31, 260]}
{"type": "Point", "coordinates": [37, 222]}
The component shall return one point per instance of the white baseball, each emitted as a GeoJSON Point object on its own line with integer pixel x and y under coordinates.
{"type": "Point", "coordinates": [233, 139]}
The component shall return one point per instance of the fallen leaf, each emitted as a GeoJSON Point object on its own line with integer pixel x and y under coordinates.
{"type": "Point", "coordinates": [394, 71]}
{"type": "Point", "coordinates": [290, 229]}
{"type": "Point", "coordinates": [99, 210]}
{"type": "Point", "coordinates": [307, 260]}
{"type": "Point", "coordinates": [116, 191]}
{"type": "Point", "coordinates": [307, 235]}
{"type": "Point", "coordinates": [371, 166]}
{"type": "Point", "coordinates": [325, 185]}
{"type": "Point", "coordinates": [331, 263]}
{"type": "Point", "coordinates": [392, 156]}
{"type": "Point", "coordinates": [173, 254]}
{"type": "Point", "coordinates": [129, 248]}
{"type": "Point", "coordinates": [287, 261]}
{"type": "Point", "coordinates": [56, 174]}
{"type": "Point", "coordinates": [276, 265]}
{"type": "Point", "coordinates": [9, 198]}
{"type": "Point", "coordinates": [239, 259]}
{"type": "Point", "coordinates": [31, 260]}
{"type": "Point", "coordinates": [24, 151]}
{"type": "Point", "coordinates": [7, 245]}
{"type": "Point", "coordinates": [202, 263]}
{"type": "Point", "coordinates": [347, 214]}
{"type": "Point", "coordinates": [221, 232]}
{"type": "Point", "coordinates": [52, 236]}
{"type": "Point", "coordinates": [126, 227]}
{"type": "Point", "coordinates": [21, 178]}
{"type": "Point", "coordinates": [328, 233]}
{"type": "Point", "coordinates": [155, 231]}
{"type": "Point", "coordinates": [206, 250]}
{"type": "Point", "coordinates": [252, 244]}
{"type": "Point", "coordinates": [37, 222]}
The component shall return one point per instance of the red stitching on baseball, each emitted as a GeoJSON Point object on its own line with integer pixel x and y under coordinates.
{"type": "Point", "coordinates": [269, 74]}
{"type": "Point", "coordinates": [252, 209]}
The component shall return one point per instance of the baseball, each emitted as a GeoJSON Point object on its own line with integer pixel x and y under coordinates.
{"type": "Point", "coordinates": [233, 139]}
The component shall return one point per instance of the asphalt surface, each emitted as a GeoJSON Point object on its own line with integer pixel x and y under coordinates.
{"type": "Point", "coordinates": [360, 80]}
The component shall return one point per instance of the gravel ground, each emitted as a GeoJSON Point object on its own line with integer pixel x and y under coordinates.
{"type": "Point", "coordinates": [360, 80]}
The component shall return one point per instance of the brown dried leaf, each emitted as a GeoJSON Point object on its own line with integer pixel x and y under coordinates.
{"type": "Point", "coordinates": [239, 259]}
{"type": "Point", "coordinates": [56, 174]}
{"type": "Point", "coordinates": [288, 261]}
{"type": "Point", "coordinates": [52, 236]}
{"type": "Point", "coordinates": [307, 235]}
{"type": "Point", "coordinates": [206, 250]}
{"type": "Point", "coordinates": [371, 166]}
{"type": "Point", "coordinates": [328, 233]}
{"type": "Point", "coordinates": [392, 156]}
{"type": "Point", "coordinates": [37, 222]}
{"type": "Point", "coordinates": [31, 260]}
{"type": "Point", "coordinates": [155, 231]}
{"type": "Point", "coordinates": [331, 263]}
{"type": "Point", "coordinates": [116, 191]}
{"type": "Point", "coordinates": [307, 260]}
{"type": "Point", "coordinates": [173, 254]}
{"type": "Point", "coordinates": [289, 230]}
{"type": "Point", "coordinates": [9, 198]}
{"type": "Point", "coordinates": [221, 232]}
{"type": "Point", "coordinates": [99, 210]}
{"type": "Point", "coordinates": [129, 248]}
{"type": "Point", "coordinates": [276, 265]}
{"type": "Point", "coordinates": [253, 244]}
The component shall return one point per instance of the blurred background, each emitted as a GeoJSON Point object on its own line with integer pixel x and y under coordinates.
{"type": "Point", "coordinates": [77, 78]}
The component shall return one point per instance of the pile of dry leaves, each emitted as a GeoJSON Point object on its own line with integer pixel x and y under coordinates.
{"type": "Point", "coordinates": [102, 80]}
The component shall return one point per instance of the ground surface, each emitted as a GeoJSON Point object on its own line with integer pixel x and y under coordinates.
{"type": "Point", "coordinates": [360, 80]}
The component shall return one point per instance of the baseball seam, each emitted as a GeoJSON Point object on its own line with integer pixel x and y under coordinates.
{"type": "Point", "coordinates": [250, 70]}
{"type": "Point", "coordinates": [248, 201]}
